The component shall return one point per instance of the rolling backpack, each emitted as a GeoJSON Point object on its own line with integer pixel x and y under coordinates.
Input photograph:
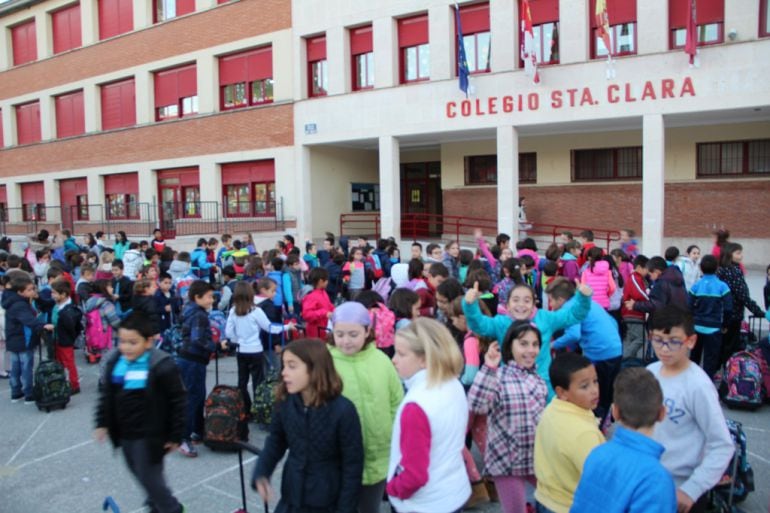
{"type": "Point", "coordinates": [384, 325]}
{"type": "Point", "coordinates": [98, 335]}
{"type": "Point", "coordinates": [51, 388]}
{"type": "Point", "coordinates": [264, 400]}
{"type": "Point", "coordinates": [224, 414]}
{"type": "Point", "coordinates": [742, 385]}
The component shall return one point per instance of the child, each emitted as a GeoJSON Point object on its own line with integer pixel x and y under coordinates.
{"type": "Point", "coordinates": [245, 323]}
{"type": "Point", "coordinates": [165, 302]}
{"type": "Point", "coordinates": [521, 307]}
{"type": "Point", "coordinates": [405, 305]}
{"type": "Point", "coordinates": [228, 286]}
{"type": "Point", "coordinates": [101, 298]}
{"type": "Point", "coordinates": [83, 285]}
{"type": "Point", "coordinates": [104, 271]}
{"type": "Point", "coordinates": [451, 259]}
{"type": "Point", "coordinates": [711, 304]}
{"type": "Point", "coordinates": [586, 242]}
{"type": "Point", "coordinates": [320, 429]}
{"type": "Point", "coordinates": [66, 327]}
{"type": "Point", "coordinates": [567, 432]}
{"type": "Point", "coordinates": [22, 328]}
{"type": "Point", "coordinates": [227, 245]}
{"type": "Point", "coordinates": [4, 374]}
{"type": "Point", "coordinates": [511, 270]}
{"type": "Point", "coordinates": [143, 301]}
{"type": "Point", "coordinates": [122, 288]}
{"type": "Point", "coordinates": [625, 474]}
{"type": "Point", "coordinates": [292, 284]}
{"type": "Point", "coordinates": [635, 289]}
{"type": "Point", "coordinates": [370, 381]}
{"type": "Point", "coordinates": [158, 244]}
{"type": "Point", "coordinates": [513, 396]}
{"type": "Point", "coordinates": [194, 356]}
{"type": "Point", "coordinates": [353, 274]}
{"type": "Point", "coordinates": [317, 308]}
{"type": "Point", "coordinates": [141, 408]}
{"type": "Point", "coordinates": [121, 245]}
{"type": "Point", "coordinates": [767, 289]}
{"type": "Point", "coordinates": [199, 261]}
{"type": "Point", "coordinates": [667, 288]}
{"type": "Point", "coordinates": [311, 255]}
{"type": "Point", "coordinates": [694, 433]}
{"type": "Point", "coordinates": [598, 276]}
{"type": "Point", "coordinates": [689, 265]}
{"type": "Point", "coordinates": [415, 251]}
{"type": "Point", "coordinates": [472, 349]}
{"type": "Point", "coordinates": [277, 276]}
{"type": "Point", "coordinates": [133, 261]}
{"type": "Point", "coordinates": [266, 291]}
{"type": "Point", "coordinates": [426, 471]}
{"type": "Point", "coordinates": [628, 243]}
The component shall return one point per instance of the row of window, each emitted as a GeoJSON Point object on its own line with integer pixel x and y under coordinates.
{"type": "Point", "coordinates": [714, 159]}
{"type": "Point", "coordinates": [414, 44]}
{"type": "Point", "coordinates": [115, 17]}
{"type": "Point", "coordinates": [245, 78]}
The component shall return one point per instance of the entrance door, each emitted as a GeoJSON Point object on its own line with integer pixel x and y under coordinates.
{"type": "Point", "coordinates": [179, 192]}
{"type": "Point", "coordinates": [73, 198]}
{"type": "Point", "coordinates": [421, 202]}
{"type": "Point", "coordinates": [170, 195]}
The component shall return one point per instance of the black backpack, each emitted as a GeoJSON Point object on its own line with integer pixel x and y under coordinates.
{"type": "Point", "coordinates": [51, 387]}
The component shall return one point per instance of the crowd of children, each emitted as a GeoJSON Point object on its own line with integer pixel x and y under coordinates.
{"type": "Point", "coordinates": [538, 344]}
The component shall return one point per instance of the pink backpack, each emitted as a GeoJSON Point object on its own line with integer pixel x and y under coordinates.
{"type": "Point", "coordinates": [384, 325]}
{"type": "Point", "coordinates": [98, 333]}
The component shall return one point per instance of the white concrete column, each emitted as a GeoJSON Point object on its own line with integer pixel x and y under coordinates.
{"type": "Point", "coordinates": [92, 108]}
{"type": "Point", "coordinates": [96, 199]}
{"type": "Point", "coordinates": [741, 16]}
{"type": "Point", "coordinates": [145, 98]}
{"type": "Point", "coordinates": [505, 35]}
{"type": "Point", "coordinates": [441, 36]}
{"type": "Point", "coordinates": [142, 14]}
{"type": "Point", "coordinates": [283, 71]}
{"type": "Point", "coordinates": [652, 26]}
{"type": "Point", "coordinates": [148, 189]}
{"type": "Point", "coordinates": [210, 180]}
{"type": "Point", "coordinates": [385, 44]}
{"type": "Point", "coordinates": [47, 118]}
{"type": "Point", "coordinates": [52, 198]}
{"type": "Point", "coordinates": [303, 194]}
{"type": "Point", "coordinates": [89, 22]}
{"type": "Point", "coordinates": [653, 186]}
{"type": "Point", "coordinates": [6, 50]}
{"type": "Point", "coordinates": [43, 35]}
{"type": "Point", "coordinates": [508, 181]}
{"type": "Point", "coordinates": [390, 187]}
{"type": "Point", "coordinates": [300, 81]}
{"type": "Point", "coordinates": [13, 190]}
{"type": "Point", "coordinates": [207, 71]}
{"type": "Point", "coordinates": [5, 122]}
{"type": "Point", "coordinates": [573, 37]}
{"type": "Point", "coordinates": [338, 60]}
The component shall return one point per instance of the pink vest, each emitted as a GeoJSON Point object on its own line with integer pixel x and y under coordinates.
{"type": "Point", "coordinates": [598, 280]}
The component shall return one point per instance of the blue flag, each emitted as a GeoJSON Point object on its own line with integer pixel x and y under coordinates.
{"type": "Point", "coordinates": [462, 62]}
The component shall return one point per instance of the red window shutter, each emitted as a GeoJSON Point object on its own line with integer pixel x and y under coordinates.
{"type": "Point", "coordinates": [28, 123]}
{"type": "Point", "coordinates": [248, 172]}
{"type": "Point", "coordinates": [3, 194]}
{"type": "Point", "coordinates": [23, 39]}
{"type": "Point", "coordinates": [125, 183]}
{"type": "Point", "coordinates": [316, 49]}
{"type": "Point", "coordinates": [70, 189]}
{"type": "Point", "coordinates": [260, 64]}
{"type": "Point", "coordinates": [543, 11]}
{"type": "Point", "coordinates": [118, 105]}
{"type": "Point", "coordinates": [33, 192]}
{"type": "Point", "coordinates": [361, 40]}
{"type": "Point", "coordinates": [187, 176]}
{"type": "Point", "coordinates": [115, 17]}
{"type": "Point", "coordinates": [187, 80]}
{"type": "Point", "coordinates": [413, 31]}
{"type": "Point", "coordinates": [232, 69]}
{"type": "Point", "coordinates": [184, 7]}
{"type": "Point", "coordinates": [70, 119]}
{"type": "Point", "coordinates": [475, 18]}
{"type": "Point", "coordinates": [708, 11]}
{"type": "Point", "coordinates": [173, 84]}
{"type": "Point", "coordinates": [66, 29]}
{"type": "Point", "coordinates": [618, 11]}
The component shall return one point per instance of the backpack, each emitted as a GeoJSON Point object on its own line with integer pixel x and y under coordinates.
{"type": "Point", "coordinates": [383, 287]}
{"type": "Point", "coordinates": [376, 266]}
{"type": "Point", "coordinates": [218, 322]}
{"type": "Point", "coordinates": [97, 332]}
{"type": "Point", "coordinates": [384, 326]}
{"type": "Point", "coordinates": [225, 418]}
{"type": "Point", "coordinates": [51, 388]}
{"type": "Point", "coordinates": [743, 385]}
{"type": "Point", "coordinates": [760, 356]}
{"type": "Point", "coordinates": [264, 399]}
{"type": "Point", "coordinates": [171, 339]}
{"type": "Point", "coordinates": [743, 477]}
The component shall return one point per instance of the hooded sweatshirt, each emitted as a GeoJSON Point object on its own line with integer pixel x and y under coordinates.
{"type": "Point", "coordinates": [21, 323]}
{"type": "Point", "coordinates": [600, 280]}
{"type": "Point", "coordinates": [132, 263]}
{"type": "Point", "coordinates": [668, 289]}
{"type": "Point", "coordinates": [177, 269]}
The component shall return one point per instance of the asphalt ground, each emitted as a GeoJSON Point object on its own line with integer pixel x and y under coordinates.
{"type": "Point", "coordinates": [49, 463]}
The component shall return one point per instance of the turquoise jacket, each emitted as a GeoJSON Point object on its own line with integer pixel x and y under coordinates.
{"type": "Point", "coordinates": [546, 321]}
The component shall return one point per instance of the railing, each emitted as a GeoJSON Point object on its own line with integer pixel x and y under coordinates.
{"type": "Point", "coordinates": [361, 223]}
{"type": "Point", "coordinates": [203, 217]}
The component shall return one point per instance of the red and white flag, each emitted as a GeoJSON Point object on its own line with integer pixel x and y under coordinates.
{"type": "Point", "coordinates": [528, 52]}
{"type": "Point", "coordinates": [602, 20]}
{"type": "Point", "coordinates": [691, 38]}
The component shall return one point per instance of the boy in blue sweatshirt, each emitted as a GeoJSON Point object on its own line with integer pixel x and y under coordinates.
{"type": "Point", "coordinates": [194, 356]}
{"type": "Point", "coordinates": [711, 303]}
{"type": "Point", "coordinates": [625, 474]}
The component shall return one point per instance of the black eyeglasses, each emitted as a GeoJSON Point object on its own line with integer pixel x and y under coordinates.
{"type": "Point", "coordinates": [671, 345]}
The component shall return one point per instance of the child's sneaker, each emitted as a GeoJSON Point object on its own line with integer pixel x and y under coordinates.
{"type": "Point", "coordinates": [29, 400]}
{"type": "Point", "coordinates": [196, 439]}
{"type": "Point", "coordinates": [187, 449]}
{"type": "Point", "coordinates": [16, 398]}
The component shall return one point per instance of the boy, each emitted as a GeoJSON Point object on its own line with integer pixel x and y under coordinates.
{"type": "Point", "coordinates": [567, 432]}
{"type": "Point", "coordinates": [667, 288]}
{"type": "Point", "coordinates": [711, 303]}
{"type": "Point", "coordinates": [435, 253]}
{"type": "Point", "coordinates": [22, 327]}
{"type": "Point", "coordinates": [141, 408]}
{"type": "Point", "coordinates": [311, 255]}
{"type": "Point", "coordinates": [277, 276]}
{"type": "Point", "coordinates": [194, 356]}
{"type": "Point", "coordinates": [227, 245]}
{"type": "Point", "coordinates": [198, 259]}
{"type": "Point", "coordinates": [66, 327]}
{"type": "Point", "coordinates": [292, 283]}
{"type": "Point", "coordinates": [628, 243]}
{"type": "Point", "coordinates": [164, 301]}
{"type": "Point", "coordinates": [158, 244]}
{"type": "Point", "coordinates": [266, 291]}
{"type": "Point", "coordinates": [694, 433]}
{"type": "Point", "coordinates": [625, 474]}
{"type": "Point", "coordinates": [416, 251]}
{"type": "Point", "coordinates": [84, 283]}
{"type": "Point", "coordinates": [122, 288]}
{"type": "Point", "coordinates": [586, 242]}
{"type": "Point", "coordinates": [228, 287]}
{"type": "Point", "coordinates": [100, 246]}
{"type": "Point", "coordinates": [325, 254]}
{"type": "Point", "coordinates": [635, 289]}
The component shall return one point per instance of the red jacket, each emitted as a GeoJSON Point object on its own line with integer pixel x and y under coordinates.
{"type": "Point", "coordinates": [636, 289]}
{"type": "Point", "coordinates": [315, 307]}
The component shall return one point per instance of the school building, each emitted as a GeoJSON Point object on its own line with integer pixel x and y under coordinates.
{"type": "Point", "coordinates": [330, 115]}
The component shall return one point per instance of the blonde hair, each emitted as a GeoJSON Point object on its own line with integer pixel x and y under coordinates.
{"type": "Point", "coordinates": [106, 257]}
{"type": "Point", "coordinates": [431, 340]}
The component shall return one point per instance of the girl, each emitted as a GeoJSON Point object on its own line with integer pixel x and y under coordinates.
{"type": "Point", "coordinates": [451, 258]}
{"type": "Point", "coordinates": [426, 471]}
{"type": "Point", "coordinates": [101, 294]}
{"type": "Point", "coordinates": [730, 272]}
{"type": "Point", "coordinates": [121, 245]}
{"type": "Point", "coordinates": [511, 277]}
{"type": "Point", "coordinates": [720, 239]}
{"type": "Point", "coordinates": [514, 397]}
{"type": "Point", "coordinates": [569, 261]}
{"type": "Point", "coordinates": [317, 308]}
{"type": "Point", "coordinates": [143, 301]}
{"type": "Point", "coordinates": [521, 307]}
{"type": "Point", "coordinates": [89, 242]}
{"type": "Point", "coordinates": [405, 305]}
{"type": "Point", "coordinates": [104, 271]}
{"type": "Point", "coordinates": [245, 323]}
{"type": "Point", "coordinates": [370, 381]}
{"type": "Point", "coordinates": [485, 287]}
{"type": "Point", "coordinates": [623, 263]}
{"type": "Point", "coordinates": [320, 429]}
{"type": "Point", "coordinates": [353, 273]}
{"type": "Point", "coordinates": [690, 266]}
{"type": "Point", "coordinates": [597, 275]}
{"type": "Point", "coordinates": [383, 320]}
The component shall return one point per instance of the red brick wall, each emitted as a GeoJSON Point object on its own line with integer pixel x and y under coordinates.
{"type": "Point", "coordinates": [691, 210]}
{"type": "Point", "coordinates": [228, 131]}
{"type": "Point", "coordinates": [230, 22]}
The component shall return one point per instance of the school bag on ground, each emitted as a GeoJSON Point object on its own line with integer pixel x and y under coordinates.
{"type": "Point", "coordinates": [98, 335]}
{"type": "Point", "coordinates": [264, 399]}
{"type": "Point", "coordinates": [742, 385]}
{"type": "Point", "coordinates": [224, 414]}
{"type": "Point", "coordinates": [51, 388]}
{"type": "Point", "coordinates": [765, 369]}
{"type": "Point", "coordinates": [738, 479]}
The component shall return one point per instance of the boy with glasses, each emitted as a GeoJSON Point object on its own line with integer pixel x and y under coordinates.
{"type": "Point", "coordinates": [694, 433]}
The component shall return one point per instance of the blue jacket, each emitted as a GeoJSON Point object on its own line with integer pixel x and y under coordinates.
{"type": "Point", "coordinates": [597, 335]}
{"type": "Point", "coordinates": [711, 302]}
{"type": "Point", "coordinates": [277, 277]}
{"type": "Point", "coordinates": [22, 326]}
{"type": "Point", "coordinates": [197, 343]}
{"type": "Point", "coordinates": [625, 475]}
{"type": "Point", "coordinates": [198, 260]}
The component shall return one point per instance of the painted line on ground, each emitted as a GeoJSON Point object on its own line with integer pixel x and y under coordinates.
{"type": "Point", "coordinates": [749, 428]}
{"type": "Point", "coordinates": [28, 440]}
{"type": "Point", "coordinates": [760, 458]}
{"type": "Point", "coordinates": [54, 454]}
{"type": "Point", "coordinates": [222, 492]}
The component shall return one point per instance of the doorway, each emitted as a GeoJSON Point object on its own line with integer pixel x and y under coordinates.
{"type": "Point", "coordinates": [179, 192]}
{"type": "Point", "coordinates": [421, 200]}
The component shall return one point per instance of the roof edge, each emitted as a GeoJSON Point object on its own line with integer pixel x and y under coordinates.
{"type": "Point", "coordinates": [14, 6]}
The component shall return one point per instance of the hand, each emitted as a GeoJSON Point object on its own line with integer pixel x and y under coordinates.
{"type": "Point", "coordinates": [493, 356]}
{"type": "Point", "coordinates": [683, 502]}
{"type": "Point", "coordinates": [168, 308]}
{"type": "Point", "coordinates": [170, 446]}
{"type": "Point", "coordinates": [629, 304]}
{"type": "Point", "coordinates": [264, 489]}
{"type": "Point", "coordinates": [223, 344]}
{"type": "Point", "coordinates": [477, 234]}
{"type": "Point", "coordinates": [48, 327]}
{"type": "Point", "coordinates": [473, 294]}
{"type": "Point", "coordinates": [100, 434]}
{"type": "Point", "coordinates": [292, 326]}
{"type": "Point", "coordinates": [583, 288]}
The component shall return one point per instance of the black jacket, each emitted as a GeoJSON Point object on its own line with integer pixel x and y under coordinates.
{"type": "Point", "coordinates": [668, 289]}
{"type": "Point", "coordinates": [166, 403]}
{"type": "Point", "coordinates": [124, 289]}
{"type": "Point", "coordinates": [326, 457]}
{"type": "Point", "coordinates": [732, 275]}
{"type": "Point", "coordinates": [22, 326]}
{"type": "Point", "coordinates": [68, 326]}
{"type": "Point", "coordinates": [147, 306]}
{"type": "Point", "coordinates": [197, 342]}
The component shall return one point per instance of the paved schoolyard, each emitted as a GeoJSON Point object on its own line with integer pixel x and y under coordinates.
{"type": "Point", "coordinates": [50, 464]}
